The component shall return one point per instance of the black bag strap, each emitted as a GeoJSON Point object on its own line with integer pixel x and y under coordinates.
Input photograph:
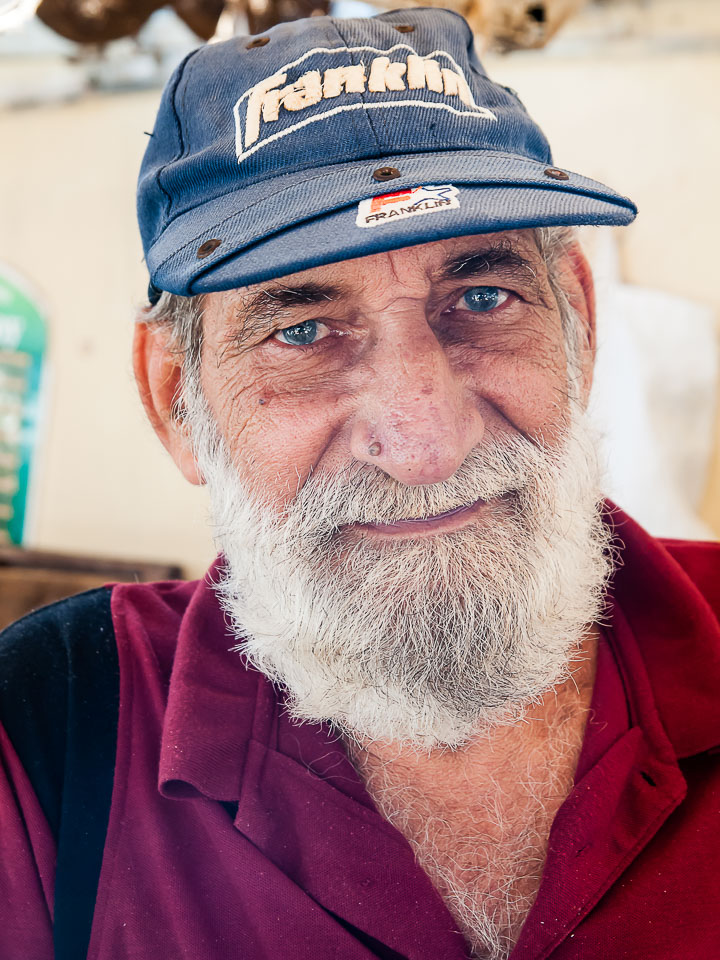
{"type": "Point", "coordinates": [59, 695]}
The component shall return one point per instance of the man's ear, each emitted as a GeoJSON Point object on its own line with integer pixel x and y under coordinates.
{"type": "Point", "coordinates": [158, 374]}
{"type": "Point", "coordinates": [576, 278]}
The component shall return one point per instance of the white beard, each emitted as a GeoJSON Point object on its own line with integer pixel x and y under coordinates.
{"type": "Point", "coordinates": [421, 641]}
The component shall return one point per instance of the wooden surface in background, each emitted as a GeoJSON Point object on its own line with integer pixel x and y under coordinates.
{"type": "Point", "coordinates": [30, 578]}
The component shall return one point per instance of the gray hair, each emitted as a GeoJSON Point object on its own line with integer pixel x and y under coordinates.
{"type": "Point", "coordinates": [183, 316]}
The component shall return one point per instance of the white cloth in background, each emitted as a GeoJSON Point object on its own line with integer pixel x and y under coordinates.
{"type": "Point", "coordinates": [654, 399]}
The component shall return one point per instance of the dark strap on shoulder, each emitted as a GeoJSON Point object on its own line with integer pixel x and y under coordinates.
{"type": "Point", "coordinates": [59, 694]}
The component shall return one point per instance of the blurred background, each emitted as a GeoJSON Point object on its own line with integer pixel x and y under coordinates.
{"type": "Point", "coordinates": [626, 91]}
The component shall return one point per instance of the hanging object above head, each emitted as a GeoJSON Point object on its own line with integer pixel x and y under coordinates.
{"type": "Point", "coordinates": [263, 14]}
{"type": "Point", "coordinates": [200, 15]}
{"type": "Point", "coordinates": [96, 21]}
{"type": "Point", "coordinates": [257, 16]}
{"type": "Point", "coordinates": [101, 21]}
{"type": "Point", "coordinates": [506, 24]}
{"type": "Point", "coordinates": [523, 24]}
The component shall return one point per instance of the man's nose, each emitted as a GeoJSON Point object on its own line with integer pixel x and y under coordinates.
{"type": "Point", "coordinates": [418, 418]}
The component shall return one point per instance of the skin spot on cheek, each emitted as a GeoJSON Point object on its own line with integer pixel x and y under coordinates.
{"type": "Point", "coordinates": [234, 408]}
{"type": "Point", "coordinates": [262, 401]}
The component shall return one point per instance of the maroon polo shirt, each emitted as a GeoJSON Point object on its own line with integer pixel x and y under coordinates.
{"type": "Point", "coordinates": [234, 832]}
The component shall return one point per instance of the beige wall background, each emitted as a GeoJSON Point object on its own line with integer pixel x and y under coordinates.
{"type": "Point", "coordinates": [647, 124]}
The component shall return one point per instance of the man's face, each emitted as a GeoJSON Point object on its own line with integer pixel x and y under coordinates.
{"type": "Point", "coordinates": [403, 484]}
{"type": "Point", "coordinates": [404, 360]}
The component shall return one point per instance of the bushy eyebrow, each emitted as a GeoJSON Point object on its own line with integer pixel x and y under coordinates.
{"type": "Point", "coordinates": [498, 260]}
{"type": "Point", "coordinates": [257, 313]}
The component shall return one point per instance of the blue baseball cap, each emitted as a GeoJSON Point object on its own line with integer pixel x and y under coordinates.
{"type": "Point", "coordinates": [325, 139]}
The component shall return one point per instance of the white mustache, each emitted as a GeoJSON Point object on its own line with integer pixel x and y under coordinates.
{"type": "Point", "coordinates": [364, 494]}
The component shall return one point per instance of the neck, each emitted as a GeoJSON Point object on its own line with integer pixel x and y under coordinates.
{"type": "Point", "coordinates": [479, 817]}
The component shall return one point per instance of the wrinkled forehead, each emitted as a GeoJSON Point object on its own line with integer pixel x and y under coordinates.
{"type": "Point", "coordinates": [420, 265]}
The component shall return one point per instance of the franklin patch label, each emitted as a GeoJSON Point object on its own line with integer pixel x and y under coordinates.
{"type": "Point", "coordinates": [404, 204]}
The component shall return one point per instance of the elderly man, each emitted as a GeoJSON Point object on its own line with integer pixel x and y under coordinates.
{"type": "Point", "coordinates": [435, 699]}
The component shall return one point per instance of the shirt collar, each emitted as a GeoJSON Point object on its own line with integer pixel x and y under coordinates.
{"type": "Point", "coordinates": [218, 706]}
{"type": "Point", "coordinates": [211, 707]}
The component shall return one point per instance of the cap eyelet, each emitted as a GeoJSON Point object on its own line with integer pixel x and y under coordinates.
{"type": "Point", "coordinates": [555, 174]}
{"type": "Point", "coordinates": [404, 28]}
{"type": "Point", "coordinates": [386, 173]}
{"type": "Point", "coordinates": [257, 42]}
{"type": "Point", "coordinates": [205, 249]}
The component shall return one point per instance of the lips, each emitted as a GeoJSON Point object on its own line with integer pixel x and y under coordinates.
{"type": "Point", "coordinates": [418, 524]}
{"type": "Point", "coordinates": [435, 516]}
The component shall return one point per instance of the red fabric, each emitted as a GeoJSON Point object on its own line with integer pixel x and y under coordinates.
{"type": "Point", "coordinates": [308, 869]}
{"type": "Point", "coordinates": [27, 865]}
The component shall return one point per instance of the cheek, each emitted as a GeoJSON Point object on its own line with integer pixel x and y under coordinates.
{"type": "Point", "coordinates": [277, 433]}
{"type": "Point", "coordinates": [523, 380]}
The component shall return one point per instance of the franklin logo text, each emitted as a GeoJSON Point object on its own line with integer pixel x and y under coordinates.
{"type": "Point", "coordinates": [319, 85]}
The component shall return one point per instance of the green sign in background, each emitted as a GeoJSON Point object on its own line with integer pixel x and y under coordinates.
{"type": "Point", "coordinates": [22, 347]}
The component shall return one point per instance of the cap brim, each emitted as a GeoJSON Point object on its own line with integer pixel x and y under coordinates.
{"type": "Point", "coordinates": [290, 223]}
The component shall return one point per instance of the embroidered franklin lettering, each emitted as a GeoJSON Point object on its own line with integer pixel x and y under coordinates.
{"type": "Point", "coordinates": [327, 90]}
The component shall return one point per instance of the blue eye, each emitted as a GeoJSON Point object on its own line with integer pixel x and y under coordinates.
{"type": "Point", "coordinates": [302, 334]}
{"type": "Point", "coordinates": [482, 299]}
